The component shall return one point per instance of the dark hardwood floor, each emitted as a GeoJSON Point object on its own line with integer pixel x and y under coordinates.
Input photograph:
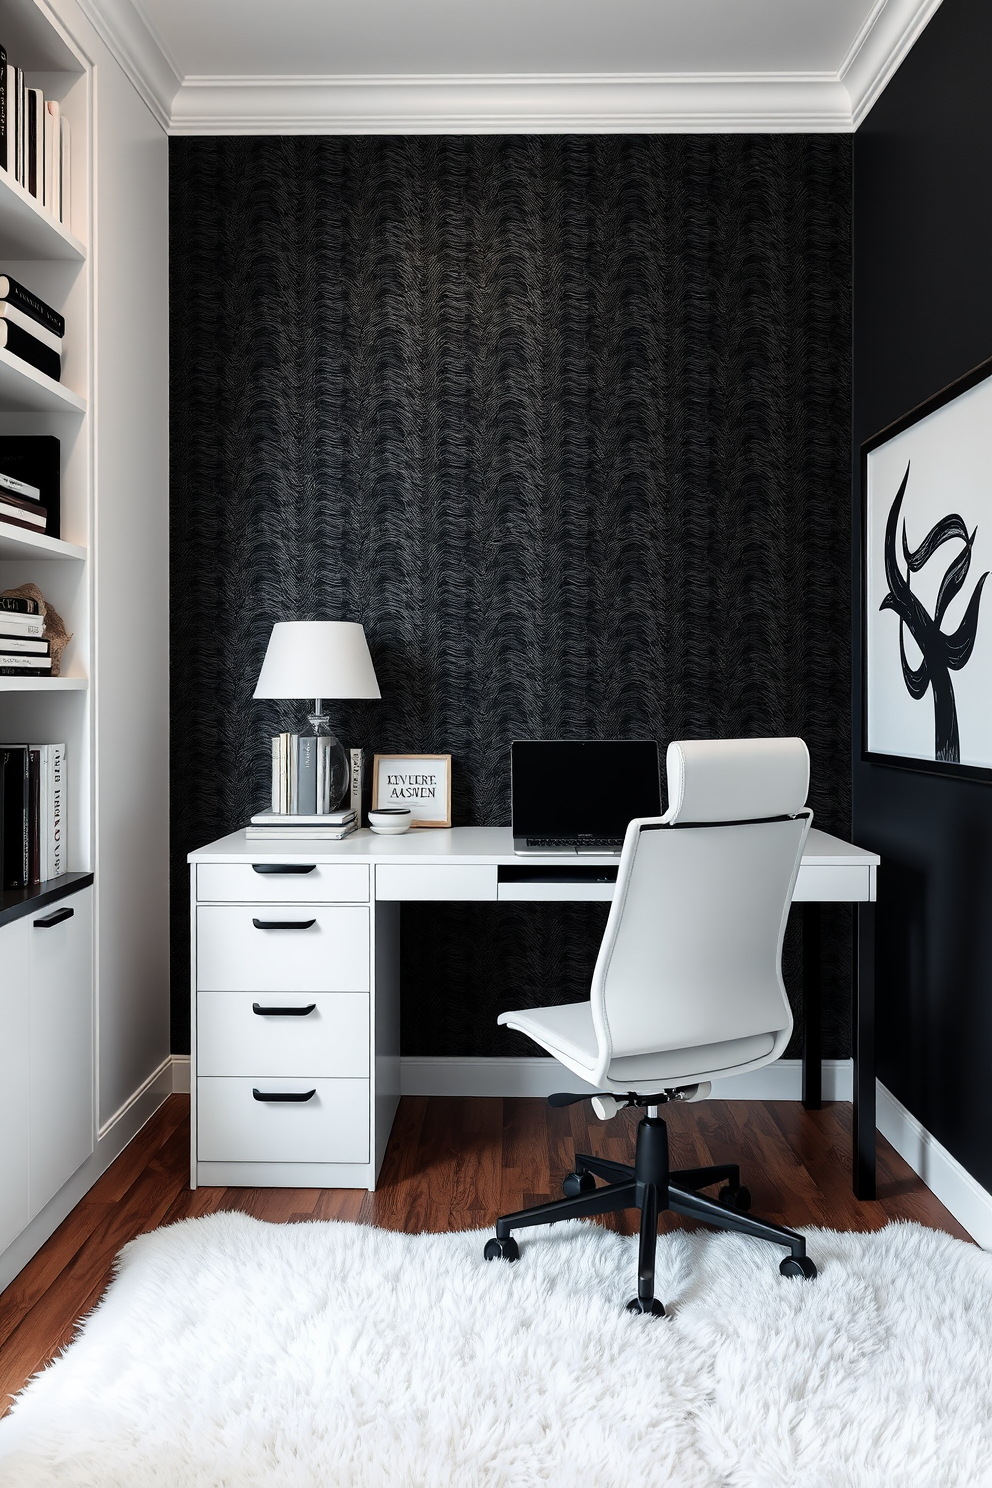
{"type": "Point", "coordinates": [451, 1165]}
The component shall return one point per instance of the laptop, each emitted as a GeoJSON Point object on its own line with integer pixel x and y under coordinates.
{"type": "Point", "coordinates": [574, 796]}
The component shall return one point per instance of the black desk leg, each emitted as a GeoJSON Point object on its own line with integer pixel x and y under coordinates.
{"type": "Point", "coordinates": [864, 1053]}
{"type": "Point", "coordinates": [812, 981]}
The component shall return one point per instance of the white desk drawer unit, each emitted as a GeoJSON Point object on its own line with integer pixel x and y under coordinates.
{"type": "Point", "coordinates": [282, 947]}
{"type": "Point", "coordinates": [283, 998]}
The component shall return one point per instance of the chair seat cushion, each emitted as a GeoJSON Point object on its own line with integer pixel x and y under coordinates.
{"type": "Point", "coordinates": [567, 1032]}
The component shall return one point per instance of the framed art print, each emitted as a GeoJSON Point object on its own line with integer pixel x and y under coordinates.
{"type": "Point", "coordinates": [927, 554]}
{"type": "Point", "coordinates": [420, 781]}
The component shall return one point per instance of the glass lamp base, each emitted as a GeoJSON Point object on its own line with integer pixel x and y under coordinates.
{"type": "Point", "coordinates": [333, 773]}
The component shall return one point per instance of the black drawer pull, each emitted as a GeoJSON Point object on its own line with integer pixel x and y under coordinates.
{"type": "Point", "coordinates": [283, 867]}
{"type": "Point", "coordinates": [282, 924]}
{"type": "Point", "coordinates": [55, 918]}
{"type": "Point", "coordinates": [282, 1012]}
{"type": "Point", "coordinates": [283, 1095]}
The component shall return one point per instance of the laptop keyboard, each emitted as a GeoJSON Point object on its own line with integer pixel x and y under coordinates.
{"type": "Point", "coordinates": [592, 844]}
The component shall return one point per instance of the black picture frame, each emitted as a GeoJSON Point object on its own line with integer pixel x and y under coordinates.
{"type": "Point", "coordinates": [909, 661]}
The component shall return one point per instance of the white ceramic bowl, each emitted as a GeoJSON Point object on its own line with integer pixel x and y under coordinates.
{"type": "Point", "coordinates": [390, 821]}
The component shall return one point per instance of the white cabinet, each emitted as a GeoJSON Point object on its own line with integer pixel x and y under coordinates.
{"type": "Point", "coordinates": [14, 1014]}
{"type": "Point", "coordinates": [295, 1044]}
{"type": "Point", "coordinates": [46, 1053]}
{"type": "Point", "coordinates": [60, 1108]}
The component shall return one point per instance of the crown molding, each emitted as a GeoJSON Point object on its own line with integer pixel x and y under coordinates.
{"type": "Point", "coordinates": [487, 104]}
{"type": "Point", "coordinates": [139, 52]}
{"type": "Point", "coordinates": [598, 103]}
{"type": "Point", "coordinates": [884, 40]}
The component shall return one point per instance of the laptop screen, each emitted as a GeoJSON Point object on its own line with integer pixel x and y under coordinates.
{"type": "Point", "coordinates": [576, 787]}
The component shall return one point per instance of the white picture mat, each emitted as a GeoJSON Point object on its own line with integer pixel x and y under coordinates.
{"type": "Point", "coordinates": [950, 458]}
{"type": "Point", "coordinates": [413, 769]}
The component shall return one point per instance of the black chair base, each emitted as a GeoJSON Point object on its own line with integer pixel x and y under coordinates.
{"type": "Point", "coordinates": [651, 1188]}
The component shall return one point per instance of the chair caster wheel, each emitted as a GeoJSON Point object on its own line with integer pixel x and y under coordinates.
{"type": "Point", "coordinates": [736, 1198]}
{"type": "Point", "coordinates": [798, 1266]}
{"type": "Point", "coordinates": [502, 1250]}
{"type": "Point", "coordinates": [655, 1310]}
{"type": "Point", "coordinates": [577, 1183]}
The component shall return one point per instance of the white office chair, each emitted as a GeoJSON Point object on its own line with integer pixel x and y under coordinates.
{"type": "Point", "coordinates": [687, 987]}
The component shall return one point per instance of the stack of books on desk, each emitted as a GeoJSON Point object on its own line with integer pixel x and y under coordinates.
{"type": "Point", "coordinates": [24, 651]}
{"type": "Point", "coordinates": [328, 826]}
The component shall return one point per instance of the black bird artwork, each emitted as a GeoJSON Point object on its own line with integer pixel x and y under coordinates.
{"type": "Point", "coordinates": [942, 654]}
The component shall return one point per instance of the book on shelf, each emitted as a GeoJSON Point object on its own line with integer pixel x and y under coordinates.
{"type": "Point", "coordinates": [21, 625]}
{"type": "Point", "coordinates": [20, 344]}
{"type": "Point", "coordinates": [18, 516]}
{"type": "Point", "coordinates": [32, 813]}
{"type": "Point", "coordinates": [300, 834]}
{"type": "Point", "coordinates": [13, 662]}
{"type": "Point", "coordinates": [15, 293]}
{"type": "Point", "coordinates": [3, 107]}
{"type": "Point", "coordinates": [31, 645]}
{"type": "Point", "coordinates": [340, 818]}
{"type": "Point", "coordinates": [33, 327]}
{"type": "Point", "coordinates": [30, 467]}
{"type": "Point", "coordinates": [14, 604]}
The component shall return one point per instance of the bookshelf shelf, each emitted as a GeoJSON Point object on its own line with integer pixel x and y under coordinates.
{"type": "Point", "coordinates": [28, 231]}
{"type": "Point", "coordinates": [17, 542]}
{"type": "Point", "coordinates": [25, 390]}
{"type": "Point", "coordinates": [44, 684]}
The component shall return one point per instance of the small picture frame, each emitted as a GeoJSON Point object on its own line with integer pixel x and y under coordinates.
{"type": "Point", "coordinates": [420, 781]}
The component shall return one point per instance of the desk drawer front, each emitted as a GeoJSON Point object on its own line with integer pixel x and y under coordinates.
{"type": "Point", "coordinates": [843, 885]}
{"type": "Point", "coordinates": [232, 1126]}
{"type": "Point", "coordinates": [282, 1039]}
{"type": "Point", "coordinates": [340, 883]}
{"type": "Point", "coordinates": [435, 881]}
{"type": "Point", "coordinates": [293, 948]}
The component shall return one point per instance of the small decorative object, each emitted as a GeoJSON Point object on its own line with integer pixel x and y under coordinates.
{"type": "Point", "coordinates": [55, 630]}
{"type": "Point", "coordinates": [320, 659]}
{"type": "Point", "coordinates": [390, 821]}
{"type": "Point", "coordinates": [927, 632]}
{"type": "Point", "coordinates": [420, 781]}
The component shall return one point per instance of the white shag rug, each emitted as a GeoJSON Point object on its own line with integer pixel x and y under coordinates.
{"type": "Point", "coordinates": [229, 1353]}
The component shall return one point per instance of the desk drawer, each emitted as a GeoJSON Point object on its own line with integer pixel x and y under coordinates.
{"type": "Point", "coordinates": [332, 1126]}
{"type": "Point", "coordinates": [332, 1039]}
{"type": "Point", "coordinates": [844, 885]}
{"type": "Point", "coordinates": [435, 881]}
{"type": "Point", "coordinates": [328, 883]}
{"type": "Point", "coordinates": [316, 948]}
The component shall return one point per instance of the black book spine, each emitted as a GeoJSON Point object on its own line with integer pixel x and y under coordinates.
{"type": "Point", "coordinates": [29, 350]}
{"type": "Point", "coordinates": [23, 299]}
{"type": "Point", "coordinates": [14, 605]}
{"type": "Point", "coordinates": [34, 816]}
{"type": "Point", "coordinates": [16, 800]}
{"type": "Point", "coordinates": [4, 148]}
{"type": "Point", "coordinates": [35, 125]}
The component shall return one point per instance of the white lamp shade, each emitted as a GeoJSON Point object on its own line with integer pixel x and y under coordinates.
{"type": "Point", "coordinates": [317, 659]}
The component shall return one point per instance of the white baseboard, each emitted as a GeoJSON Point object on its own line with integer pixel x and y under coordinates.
{"type": "Point", "coordinates": [180, 1074]}
{"type": "Point", "coordinates": [952, 1184]}
{"type": "Point", "coordinates": [542, 1077]}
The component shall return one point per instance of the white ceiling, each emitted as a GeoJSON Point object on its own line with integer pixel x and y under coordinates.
{"type": "Point", "coordinates": [414, 66]}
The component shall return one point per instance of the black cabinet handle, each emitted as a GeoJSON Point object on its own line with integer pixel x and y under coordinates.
{"type": "Point", "coordinates": [282, 1012]}
{"type": "Point", "coordinates": [282, 1095]}
{"type": "Point", "coordinates": [283, 867]}
{"type": "Point", "coordinates": [55, 918]}
{"type": "Point", "coordinates": [279, 924]}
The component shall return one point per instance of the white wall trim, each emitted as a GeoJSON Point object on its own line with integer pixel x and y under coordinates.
{"type": "Point", "coordinates": [489, 104]}
{"type": "Point", "coordinates": [601, 103]}
{"type": "Point", "coordinates": [542, 1077]}
{"type": "Point", "coordinates": [138, 51]}
{"type": "Point", "coordinates": [158, 1085]}
{"type": "Point", "coordinates": [884, 40]}
{"type": "Point", "coordinates": [952, 1184]}
{"type": "Point", "coordinates": [180, 1074]}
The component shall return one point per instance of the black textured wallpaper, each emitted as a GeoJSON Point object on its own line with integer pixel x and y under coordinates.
{"type": "Point", "coordinates": [565, 422]}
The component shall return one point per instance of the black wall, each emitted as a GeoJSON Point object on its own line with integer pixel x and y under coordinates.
{"type": "Point", "coordinates": [565, 423]}
{"type": "Point", "coordinates": [923, 316]}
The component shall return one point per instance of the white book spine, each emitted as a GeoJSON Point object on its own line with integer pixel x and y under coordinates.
{"type": "Point", "coordinates": [274, 797]}
{"type": "Point", "coordinates": [59, 858]}
{"type": "Point", "coordinates": [357, 765]}
{"type": "Point", "coordinates": [294, 773]}
{"type": "Point", "coordinates": [52, 155]}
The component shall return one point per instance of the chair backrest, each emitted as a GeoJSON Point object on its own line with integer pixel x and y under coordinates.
{"type": "Point", "coordinates": [693, 946]}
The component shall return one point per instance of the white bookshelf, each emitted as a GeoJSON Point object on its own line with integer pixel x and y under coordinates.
{"type": "Point", "coordinates": [51, 259]}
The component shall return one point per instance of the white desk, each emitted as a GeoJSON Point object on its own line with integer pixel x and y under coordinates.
{"type": "Point", "coordinates": [295, 987]}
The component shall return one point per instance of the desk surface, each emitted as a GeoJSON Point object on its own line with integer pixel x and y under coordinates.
{"type": "Point", "coordinates": [466, 845]}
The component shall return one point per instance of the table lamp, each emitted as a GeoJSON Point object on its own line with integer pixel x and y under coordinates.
{"type": "Point", "coordinates": [320, 659]}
